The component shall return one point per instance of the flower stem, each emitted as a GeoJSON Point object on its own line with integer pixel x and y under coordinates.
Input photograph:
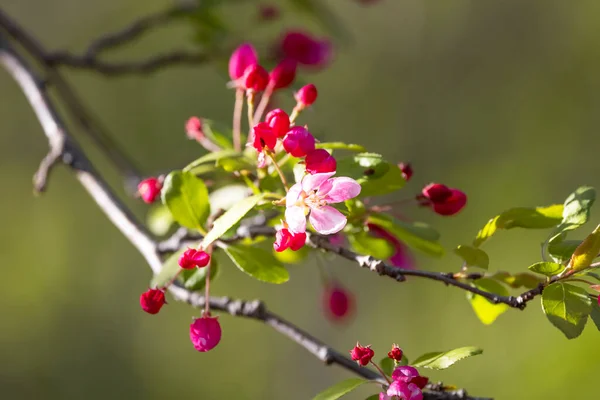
{"type": "Point", "coordinates": [276, 166]}
{"type": "Point", "coordinates": [173, 279]}
{"type": "Point", "coordinates": [237, 119]}
{"type": "Point", "coordinates": [250, 95]}
{"type": "Point", "coordinates": [264, 101]}
{"type": "Point", "coordinates": [381, 372]}
{"type": "Point", "coordinates": [295, 113]}
{"type": "Point", "coordinates": [207, 286]}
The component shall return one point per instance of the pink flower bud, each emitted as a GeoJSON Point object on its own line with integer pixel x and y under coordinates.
{"type": "Point", "coordinates": [395, 353]}
{"type": "Point", "coordinates": [284, 239]}
{"type": "Point", "coordinates": [152, 300]}
{"type": "Point", "coordinates": [283, 74]}
{"type": "Point", "coordinates": [264, 136]}
{"type": "Point", "coordinates": [307, 95]}
{"type": "Point", "coordinates": [193, 129]}
{"type": "Point", "coordinates": [305, 49]}
{"type": "Point", "coordinates": [255, 78]}
{"type": "Point", "coordinates": [452, 204]}
{"type": "Point", "coordinates": [338, 303]}
{"type": "Point", "coordinates": [149, 189]}
{"type": "Point", "coordinates": [407, 171]}
{"type": "Point", "coordinates": [193, 258]}
{"type": "Point", "coordinates": [205, 333]}
{"type": "Point", "coordinates": [362, 355]}
{"type": "Point", "coordinates": [242, 57]}
{"type": "Point", "coordinates": [320, 160]}
{"type": "Point", "coordinates": [436, 192]}
{"type": "Point", "coordinates": [298, 142]}
{"type": "Point", "coordinates": [279, 121]}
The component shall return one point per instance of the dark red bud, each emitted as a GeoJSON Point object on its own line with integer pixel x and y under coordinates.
{"type": "Point", "coordinates": [152, 300]}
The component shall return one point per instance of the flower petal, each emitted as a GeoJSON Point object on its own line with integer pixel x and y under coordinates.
{"type": "Point", "coordinates": [327, 220]}
{"type": "Point", "coordinates": [293, 195]}
{"type": "Point", "coordinates": [312, 182]}
{"type": "Point", "coordinates": [342, 189]}
{"type": "Point", "coordinates": [295, 218]}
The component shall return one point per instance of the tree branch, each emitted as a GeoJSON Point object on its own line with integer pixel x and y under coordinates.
{"type": "Point", "coordinates": [64, 148]}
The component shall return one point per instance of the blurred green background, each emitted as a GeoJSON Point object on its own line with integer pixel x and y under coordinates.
{"type": "Point", "coordinates": [498, 98]}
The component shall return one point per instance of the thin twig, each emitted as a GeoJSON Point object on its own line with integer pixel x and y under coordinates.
{"type": "Point", "coordinates": [121, 217]}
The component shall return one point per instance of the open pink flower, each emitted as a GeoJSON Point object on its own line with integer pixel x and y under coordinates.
{"type": "Point", "coordinates": [312, 195]}
{"type": "Point", "coordinates": [405, 391]}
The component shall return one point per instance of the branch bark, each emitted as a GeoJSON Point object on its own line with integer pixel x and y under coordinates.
{"type": "Point", "coordinates": [64, 148]}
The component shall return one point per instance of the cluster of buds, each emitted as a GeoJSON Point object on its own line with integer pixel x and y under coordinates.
{"type": "Point", "coordinates": [406, 382]}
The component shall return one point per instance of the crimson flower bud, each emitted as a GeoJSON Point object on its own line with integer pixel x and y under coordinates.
{"type": "Point", "coordinates": [283, 74]}
{"type": "Point", "coordinates": [152, 300]}
{"type": "Point", "coordinates": [264, 136]}
{"type": "Point", "coordinates": [407, 171]}
{"type": "Point", "coordinates": [307, 95]}
{"type": "Point", "coordinates": [395, 353]}
{"type": "Point", "coordinates": [242, 57]}
{"type": "Point", "coordinates": [193, 129]}
{"type": "Point", "coordinates": [362, 355]}
{"type": "Point", "coordinates": [436, 192]}
{"type": "Point", "coordinates": [284, 239]}
{"type": "Point", "coordinates": [279, 121]}
{"type": "Point", "coordinates": [149, 189]}
{"type": "Point", "coordinates": [452, 204]}
{"type": "Point", "coordinates": [192, 258]}
{"type": "Point", "coordinates": [298, 142]}
{"type": "Point", "coordinates": [255, 78]}
{"type": "Point", "coordinates": [320, 160]}
{"type": "Point", "coordinates": [338, 302]}
{"type": "Point", "coordinates": [205, 333]}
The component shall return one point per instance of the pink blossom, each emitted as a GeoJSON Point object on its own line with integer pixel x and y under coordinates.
{"type": "Point", "coordinates": [305, 49]}
{"type": "Point", "coordinates": [312, 195]}
{"type": "Point", "coordinates": [405, 391]}
{"type": "Point", "coordinates": [205, 333]}
{"type": "Point", "coordinates": [384, 396]}
{"type": "Point", "coordinates": [242, 57]}
{"type": "Point", "coordinates": [408, 374]}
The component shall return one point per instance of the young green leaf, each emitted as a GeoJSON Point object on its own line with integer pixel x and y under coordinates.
{"type": "Point", "coordinates": [561, 250]}
{"type": "Point", "coordinates": [518, 280]}
{"type": "Point", "coordinates": [416, 235]}
{"type": "Point", "coordinates": [375, 175]}
{"type": "Point", "coordinates": [473, 256]}
{"type": "Point", "coordinates": [340, 146]}
{"type": "Point", "coordinates": [387, 365]}
{"type": "Point", "coordinates": [521, 217]}
{"type": "Point", "coordinates": [442, 360]}
{"type": "Point", "coordinates": [258, 263]}
{"type": "Point", "coordinates": [209, 158]}
{"type": "Point", "coordinates": [577, 208]}
{"type": "Point", "coordinates": [567, 307]}
{"type": "Point", "coordinates": [364, 243]}
{"type": "Point", "coordinates": [186, 196]}
{"type": "Point", "coordinates": [340, 389]}
{"type": "Point", "coordinates": [230, 218]}
{"type": "Point", "coordinates": [547, 268]}
{"type": "Point", "coordinates": [586, 252]}
{"type": "Point", "coordinates": [486, 311]}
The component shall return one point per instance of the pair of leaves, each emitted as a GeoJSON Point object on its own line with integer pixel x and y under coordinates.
{"type": "Point", "coordinates": [567, 307]}
{"type": "Point", "coordinates": [417, 235]}
{"type": "Point", "coordinates": [375, 175]}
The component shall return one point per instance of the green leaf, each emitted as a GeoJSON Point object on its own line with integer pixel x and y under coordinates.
{"type": "Point", "coordinates": [391, 181]}
{"type": "Point", "coordinates": [195, 279]}
{"type": "Point", "coordinates": [226, 197]}
{"type": "Point", "coordinates": [186, 196]}
{"type": "Point", "coordinates": [257, 263]}
{"type": "Point", "coordinates": [442, 360]}
{"type": "Point", "coordinates": [473, 256]}
{"type": "Point", "coordinates": [387, 365]}
{"type": "Point", "coordinates": [209, 158]}
{"type": "Point", "coordinates": [547, 268]}
{"type": "Point", "coordinates": [340, 389]}
{"type": "Point", "coordinates": [486, 311]}
{"type": "Point", "coordinates": [567, 307]}
{"type": "Point", "coordinates": [340, 146]}
{"type": "Point", "coordinates": [373, 397]}
{"type": "Point", "coordinates": [417, 235]}
{"type": "Point", "coordinates": [230, 218]}
{"type": "Point", "coordinates": [577, 208]}
{"type": "Point", "coordinates": [375, 175]}
{"type": "Point", "coordinates": [239, 162]}
{"type": "Point", "coordinates": [586, 252]}
{"type": "Point", "coordinates": [364, 243]}
{"type": "Point", "coordinates": [521, 217]}
{"type": "Point", "coordinates": [159, 220]}
{"type": "Point", "coordinates": [518, 280]}
{"type": "Point", "coordinates": [595, 314]}
{"type": "Point", "coordinates": [562, 250]}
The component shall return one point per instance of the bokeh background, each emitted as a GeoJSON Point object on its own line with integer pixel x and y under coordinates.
{"type": "Point", "coordinates": [499, 99]}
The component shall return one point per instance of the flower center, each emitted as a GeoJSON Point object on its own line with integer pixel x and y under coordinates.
{"type": "Point", "coordinates": [312, 200]}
